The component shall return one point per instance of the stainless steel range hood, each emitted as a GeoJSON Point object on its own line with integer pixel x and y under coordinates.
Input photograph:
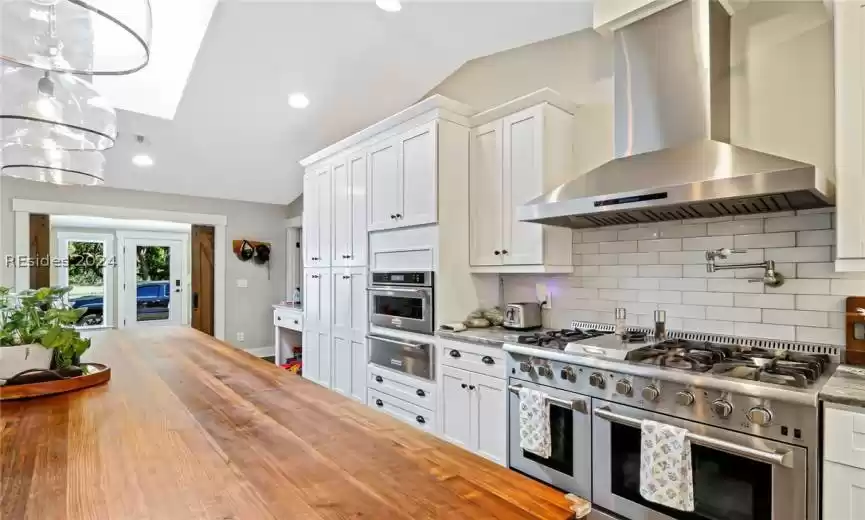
{"type": "Point", "coordinates": [672, 132]}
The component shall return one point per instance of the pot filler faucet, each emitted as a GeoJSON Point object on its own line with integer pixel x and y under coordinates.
{"type": "Point", "coordinates": [771, 277]}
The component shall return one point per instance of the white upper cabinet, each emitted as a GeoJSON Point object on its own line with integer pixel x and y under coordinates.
{"type": "Point", "coordinates": [349, 211]}
{"type": "Point", "coordinates": [316, 216]}
{"type": "Point", "coordinates": [849, 20]}
{"type": "Point", "coordinates": [518, 153]}
{"type": "Point", "coordinates": [384, 185]}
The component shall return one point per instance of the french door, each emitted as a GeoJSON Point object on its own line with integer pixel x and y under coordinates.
{"type": "Point", "coordinates": [88, 266]}
{"type": "Point", "coordinates": [155, 284]}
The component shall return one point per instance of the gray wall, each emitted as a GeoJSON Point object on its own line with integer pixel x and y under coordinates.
{"type": "Point", "coordinates": [247, 310]}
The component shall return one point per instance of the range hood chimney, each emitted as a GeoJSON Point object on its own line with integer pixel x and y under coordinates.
{"type": "Point", "coordinates": [672, 134]}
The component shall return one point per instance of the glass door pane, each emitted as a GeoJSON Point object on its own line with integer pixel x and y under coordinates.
{"type": "Point", "coordinates": [153, 282]}
{"type": "Point", "coordinates": [88, 267]}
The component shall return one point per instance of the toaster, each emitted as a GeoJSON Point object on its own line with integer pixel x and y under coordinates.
{"type": "Point", "coordinates": [522, 316]}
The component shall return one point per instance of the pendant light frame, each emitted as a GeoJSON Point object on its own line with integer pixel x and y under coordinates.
{"type": "Point", "coordinates": [89, 167]}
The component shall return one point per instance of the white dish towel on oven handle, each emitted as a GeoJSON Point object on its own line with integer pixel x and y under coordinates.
{"type": "Point", "coordinates": [665, 466]}
{"type": "Point", "coordinates": [535, 423]}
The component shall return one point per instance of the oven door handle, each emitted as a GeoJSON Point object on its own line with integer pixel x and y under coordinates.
{"type": "Point", "coordinates": [577, 405]}
{"type": "Point", "coordinates": [419, 292]}
{"type": "Point", "coordinates": [779, 458]}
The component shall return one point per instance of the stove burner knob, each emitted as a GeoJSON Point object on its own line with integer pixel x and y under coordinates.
{"type": "Point", "coordinates": [569, 374]}
{"type": "Point", "coordinates": [651, 393]}
{"type": "Point", "coordinates": [722, 408]}
{"type": "Point", "coordinates": [760, 416]}
{"type": "Point", "coordinates": [684, 398]}
{"type": "Point", "coordinates": [545, 371]}
{"type": "Point", "coordinates": [597, 380]}
{"type": "Point", "coordinates": [624, 387]}
{"type": "Point", "coordinates": [525, 367]}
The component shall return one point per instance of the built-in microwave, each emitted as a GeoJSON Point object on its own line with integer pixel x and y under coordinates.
{"type": "Point", "coordinates": [402, 300]}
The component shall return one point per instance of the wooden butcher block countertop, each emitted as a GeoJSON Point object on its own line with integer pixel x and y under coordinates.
{"type": "Point", "coordinates": [189, 427]}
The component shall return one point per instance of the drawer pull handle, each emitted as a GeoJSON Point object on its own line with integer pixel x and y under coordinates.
{"type": "Point", "coordinates": [379, 379]}
{"type": "Point", "coordinates": [378, 402]}
{"type": "Point", "coordinates": [497, 253]}
{"type": "Point", "coordinates": [471, 387]}
{"type": "Point", "coordinates": [295, 322]}
{"type": "Point", "coordinates": [455, 353]}
{"type": "Point", "coordinates": [420, 419]}
{"type": "Point", "coordinates": [464, 385]}
{"type": "Point", "coordinates": [279, 318]}
{"type": "Point", "coordinates": [488, 360]}
{"type": "Point", "coordinates": [420, 393]}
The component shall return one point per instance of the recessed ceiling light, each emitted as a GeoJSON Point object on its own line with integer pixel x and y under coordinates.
{"type": "Point", "coordinates": [142, 160]}
{"type": "Point", "coordinates": [298, 100]}
{"type": "Point", "coordinates": [390, 6]}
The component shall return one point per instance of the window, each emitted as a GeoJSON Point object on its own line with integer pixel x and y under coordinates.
{"type": "Point", "coordinates": [149, 291]}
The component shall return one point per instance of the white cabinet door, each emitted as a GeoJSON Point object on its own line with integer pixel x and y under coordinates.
{"type": "Point", "coordinates": [359, 361]}
{"type": "Point", "coordinates": [341, 285]}
{"type": "Point", "coordinates": [357, 240]}
{"type": "Point", "coordinates": [523, 181]}
{"type": "Point", "coordinates": [311, 300]}
{"type": "Point", "coordinates": [843, 492]}
{"type": "Point", "coordinates": [456, 406]}
{"type": "Point", "coordinates": [489, 417]}
{"type": "Point", "coordinates": [311, 244]}
{"type": "Point", "coordinates": [349, 357]}
{"type": "Point", "coordinates": [310, 354]}
{"type": "Point", "coordinates": [418, 167]}
{"type": "Point", "coordinates": [325, 368]}
{"type": "Point", "coordinates": [323, 190]}
{"type": "Point", "coordinates": [341, 214]}
{"type": "Point", "coordinates": [485, 195]}
{"type": "Point", "coordinates": [342, 365]}
{"type": "Point", "coordinates": [384, 183]}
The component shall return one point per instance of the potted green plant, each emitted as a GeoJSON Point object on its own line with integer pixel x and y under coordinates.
{"type": "Point", "coordinates": [36, 331]}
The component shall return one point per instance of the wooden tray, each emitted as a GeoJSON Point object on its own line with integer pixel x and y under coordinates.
{"type": "Point", "coordinates": [97, 374]}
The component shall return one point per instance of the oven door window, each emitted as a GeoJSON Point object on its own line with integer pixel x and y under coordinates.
{"type": "Point", "coordinates": [398, 307]}
{"type": "Point", "coordinates": [562, 437]}
{"type": "Point", "coordinates": [726, 487]}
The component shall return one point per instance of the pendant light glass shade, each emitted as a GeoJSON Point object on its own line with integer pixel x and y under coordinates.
{"type": "Point", "coordinates": [52, 110]}
{"type": "Point", "coordinates": [54, 166]}
{"type": "Point", "coordinates": [99, 37]}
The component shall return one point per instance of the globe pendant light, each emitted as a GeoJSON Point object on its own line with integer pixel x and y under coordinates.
{"type": "Point", "coordinates": [93, 37]}
{"type": "Point", "coordinates": [52, 110]}
{"type": "Point", "coordinates": [53, 165]}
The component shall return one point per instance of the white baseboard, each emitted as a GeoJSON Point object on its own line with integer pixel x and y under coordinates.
{"type": "Point", "coordinates": [260, 351]}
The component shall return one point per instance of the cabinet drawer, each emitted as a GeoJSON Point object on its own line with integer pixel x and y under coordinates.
{"type": "Point", "coordinates": [405, 388]}
{"type": "Point", "coordinates": [402, 410]}
{"type": "Point", "coordinates": [844, 439]}
{"type": "Point", "coordinates": [489, 361]}
{"type": "Point", "coordinates": [288, 318]}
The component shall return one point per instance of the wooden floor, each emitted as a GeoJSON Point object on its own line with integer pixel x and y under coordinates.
{"type": "Point", "coordinates": [189, 428]}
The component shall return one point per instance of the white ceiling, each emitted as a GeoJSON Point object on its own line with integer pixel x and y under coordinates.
{"type": "Point", "coordinates": [234, 136]}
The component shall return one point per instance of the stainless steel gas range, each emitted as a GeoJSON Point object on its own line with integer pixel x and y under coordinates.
{"type": "Point", "coordinates": [750, 406]}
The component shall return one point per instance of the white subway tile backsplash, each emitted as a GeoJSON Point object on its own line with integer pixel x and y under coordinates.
{"type": "Point", "coordinates": [798, 223]}
{"type": "Point", "coordinates": [848, 287]}
{"type": "Point", "coordinates": [601, 282]}
{"type": "Point", "coordinates": [824, 270]}
{"type": "Point", "coordinates": [801, 286]}
{"type": "Point", "coordinates": [663, 244]}
{"type": "Point", "coordinates": [820, 335]}
{"type": "Point", "coordinates": [799, 254]}
{"type": "Point", "coordinates": [639, 233]}
{"type": "Point", "coordinates": [762, 330]}
{"type": "Point", "coordinates": [577, 237]}
{"type": "Point", "coordinates": [691, 229]}
{"type": "Point", "coordinates": [706, 243]}
{"type": "Point", "coordinates": [660, 271]}
{"type": "Point", "coordinates": [761, 240]}
{"type": "Point", "coordinates": [706, 298]}
{"type": "Point", "coordinates": [763, 215]}
{"type": "Point", "coordinates": [837, 320]}
{"type": "Point", "coordinates": [592, 248]}
{"type": "Point", "coordinates": [709, 326]}
{"type": "Point", "coordinates": [617, 294]}
{"type": "Point", "coordinates": [699, 271]}
{"type": "Point", "coordinates": [823, 237]}
{"type": "Point", "coordinates": [578, 293]}
{"type": "Point", "coordinates": [804, 318]}
{"type": "Point", "coordinates": [684, 311]}
{"type": "Point", "coordinates": [586, 270]}
{"type": "Point", "coordinates": [813, 211]}
{"type": "Point", "coordinates": [635, 308]}
{"type": "Point", "coordinates": [733, 314]}
{"type": "Point", "coordinates": [590, 305]}
{"type": "Point", "coordinates": [605, 259]}
{"type": "Point", "coordinates": [577, 260]}
{"type": "Point", "coordinates": [811, 302]}
{"type": "Point", "coordinates": [660, 296]}
{"type": "Point", "coordinates": [735, 227]}
{"type": "Point", "coordinates": [618, 247]}
{"type": "Point", "coordinates": [683, 284]}
{"type": "Point", "coordinates": [602, 235]}
{"type": "Point", "coordinates": [648, 321]}
{"type": "Point", "coordinates": [638, 258]}
{"type": "Point", "coordinates": [765, 301]}
{"type": "Point", "coordinates": [639, 283]}
{"type": "Point", "coordinates": [787, 270]}
{"type": "Point", "coordinates": [618, 271]}
{"type": "Point", "coordinates": [683, 257]}
{"type": "Point", "coordinates": [735, 286]}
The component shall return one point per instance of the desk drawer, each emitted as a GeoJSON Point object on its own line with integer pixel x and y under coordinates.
{"type": "Point", "coordinates": [288, 318]}
{"type": "Point", "coordinates": [411, 414]}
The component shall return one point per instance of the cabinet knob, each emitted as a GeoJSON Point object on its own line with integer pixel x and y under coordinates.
{"type": "Point", "coordinates": [379, 379]}
{"type": "Point", "coordinates": [420, 393]}
{"type": "Point", "coordinates": [378, 402]}
{"type": "Point", "coordinates": [464, 385]}
{"type": "Point", "coordinates": [420, 419]}
{"type": "Point", "coordinates": [504, 251]}
{"type": "Point", "coordinates": [471, 387]}
{"type": "Point", "coordinates": [296, 322]}
{"type": "Point", "coordinates": [455, 353]}
{"type": "Point", "coordinates": [497, 253]}
{"type": "Point", "coordinates": [488, 360]}
{"type": "Point", "coordinates": [399, 215]}
{"type": "Point", "coordinates": [393, 217]}
{"type": "Point", "coordinates": [278, 318]}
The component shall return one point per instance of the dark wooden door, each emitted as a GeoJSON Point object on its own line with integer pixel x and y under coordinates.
{"type": "Point", "coordinates": [202, 278]}
{"type": "Point", "coordinates": [40, 238]}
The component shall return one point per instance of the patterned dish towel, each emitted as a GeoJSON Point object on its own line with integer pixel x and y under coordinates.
{"type": "Point", "coordinates": [665, 466]}
{"type": "Point", "coordinates": [535, 423]}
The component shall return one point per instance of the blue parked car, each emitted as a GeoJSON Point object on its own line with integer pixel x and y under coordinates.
{"type": "Point", "coordinates": [153, 304]}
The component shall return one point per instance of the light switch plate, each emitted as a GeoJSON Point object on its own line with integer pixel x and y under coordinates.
{"type": "Point", "coordinates": [242, 282]}
{"type": "Point", "coordinates": [543, 294]}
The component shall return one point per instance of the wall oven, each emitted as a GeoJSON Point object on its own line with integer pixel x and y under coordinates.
{"type": "Point", "coordinates": [569, 467]}
{"type": "Point", "coordinates": [402, 300]}
{"type": "Point", "coordinates": [410, 357]}
{"type": "Point", "coordinates": [736, 476]}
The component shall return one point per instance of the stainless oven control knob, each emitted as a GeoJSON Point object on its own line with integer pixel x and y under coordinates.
{"type": "Point", "coordinates": [569, 374]}
{"type": "Point", "coordinates": [684, 398]}
{"type": "Point", "coordinates": [597, 380]}
{"type": "Point", "coordinates": [760, 416]}
{"type": "Point", "coordinates": [525, 366]}
{"type": "Point", "coordinates": [722, 408]}
{"type": "Point", "coordinates": [651, 393]}
{"type": "Point", "coordinates": [624, 387]}
{"type": "Point", "coordinates": [545, 371]}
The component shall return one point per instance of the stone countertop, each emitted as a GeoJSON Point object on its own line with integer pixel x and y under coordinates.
{"type": "Point", "coordinates": [288, 306]}
{"type": "Point", "coordinates": [491, 337]}
{"type": "Point", "coordinates": [846, 386]}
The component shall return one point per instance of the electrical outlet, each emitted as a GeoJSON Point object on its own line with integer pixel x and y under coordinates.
{"type": "Point", "coordinates": [543, 294]}
{"type": "Point", "coordinates": [239, 336]}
